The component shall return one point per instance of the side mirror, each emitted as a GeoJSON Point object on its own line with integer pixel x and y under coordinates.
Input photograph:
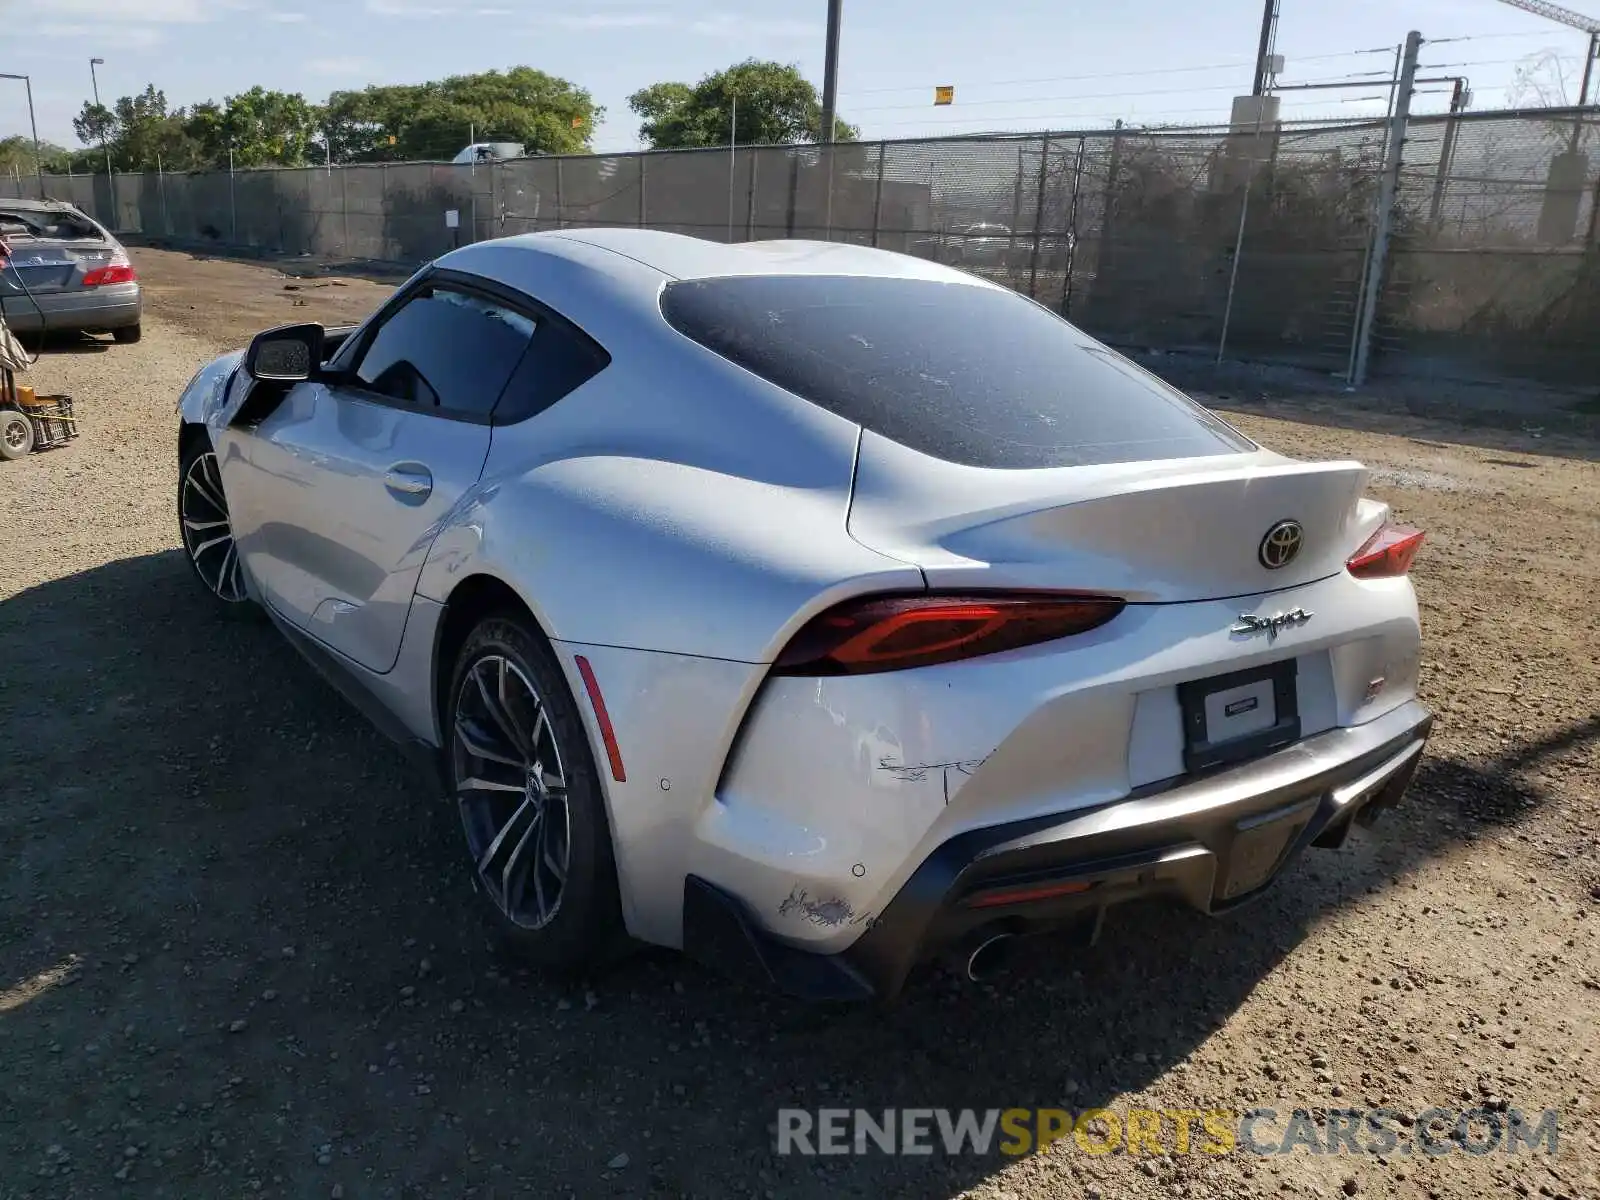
{"type": "Point", "coordinates": [287, 354]}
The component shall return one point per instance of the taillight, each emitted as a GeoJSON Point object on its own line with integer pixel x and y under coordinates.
{"type": "Point", "coordinates": [117, 273]}
{"type": "Point", "coordinates": [890, 633]}
{"type": "Point", "coordinates": [1388, 552]}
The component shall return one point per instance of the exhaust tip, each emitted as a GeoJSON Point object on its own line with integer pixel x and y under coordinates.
{"type": "Point", "coordinates": [989, 957]}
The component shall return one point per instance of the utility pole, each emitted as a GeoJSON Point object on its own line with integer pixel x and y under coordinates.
{"type": "Point", "coordinates": [1387, 192]}
{"type": "Point", "coordinates": [830, 71]}
{"type": "Point", "coordinates": [1269, 31]}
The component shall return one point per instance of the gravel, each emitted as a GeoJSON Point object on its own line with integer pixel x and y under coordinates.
{"type": "Point", "coordinates": [232, 965]}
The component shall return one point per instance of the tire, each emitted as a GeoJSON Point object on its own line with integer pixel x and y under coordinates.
{"type": "Point", "coordinates": [127, 335]}
{"type": "Point", "coordinates": [507, 709]}
{"type": "Point", "coordinates": [16, 434]}
{"type": "Point", "coordinates": [206, 530]}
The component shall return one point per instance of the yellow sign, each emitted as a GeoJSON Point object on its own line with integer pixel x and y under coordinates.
{"type": "Point", "coordinates": [577, 122]}
{"type": "Point", "coordinates": [945, 94]}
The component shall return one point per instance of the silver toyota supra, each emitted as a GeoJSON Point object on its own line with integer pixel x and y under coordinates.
{"type": "Point", "coordinates": [814, 609]}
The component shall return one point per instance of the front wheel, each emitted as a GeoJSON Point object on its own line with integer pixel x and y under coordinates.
{"type": "Point", "coordinates": [16, 434]}
{"type": "Point", "coordinates": [524, 780]}
{"type": "Point", "coordinates": [206, 527]}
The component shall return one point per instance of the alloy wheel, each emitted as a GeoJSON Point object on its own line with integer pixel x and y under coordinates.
{"type": "Point", "coordinates": [512, 790]}
{"type": "Point", "coordinates": [207, 531]}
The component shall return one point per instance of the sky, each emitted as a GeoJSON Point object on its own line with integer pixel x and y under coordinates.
{"type": "Point", "coordinates": [1027, 64]}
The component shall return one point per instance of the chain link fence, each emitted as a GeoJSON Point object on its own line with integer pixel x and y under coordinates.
{"type": "Point", "coordinates": [1495, 261]}
{"type": "Point", "coordinates": [1243, 243]}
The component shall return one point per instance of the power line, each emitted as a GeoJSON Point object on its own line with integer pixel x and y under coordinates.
{"type": "Point", "coordinates": [1373, 76]}
{"type": "Point", "coordinates": [1219, 66]}
{"type": "Point", "coordinates": [1224, 87]}
{"type": "Point", "coordinates": [1487, 37]}
{"type": "Point", "coordinates": [1493, 62]}
{"type": "Point", "coordinates": [1064, 120]}
{"type": "Point", "coordinates": [1052, 79]}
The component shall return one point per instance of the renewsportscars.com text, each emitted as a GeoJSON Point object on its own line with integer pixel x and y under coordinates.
{"type": "Point", "coordinates": [1259, 1130]}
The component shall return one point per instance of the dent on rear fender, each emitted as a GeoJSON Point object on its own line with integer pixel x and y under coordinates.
{"type": "Point", "coordinates": [831, 787]}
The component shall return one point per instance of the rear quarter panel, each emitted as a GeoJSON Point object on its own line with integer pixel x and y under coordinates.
{"type": "Point", "coordinates": [838, 788]}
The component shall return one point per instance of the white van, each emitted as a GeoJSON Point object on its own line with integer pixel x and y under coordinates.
{"type": "Point", "coordinates": [480, 152]}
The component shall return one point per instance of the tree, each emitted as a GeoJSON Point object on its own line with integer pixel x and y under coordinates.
{"type": "Point", "coordinates": [1541, 80]}
{"type": "Point", "coordinates": [1545, 80]}
{"type": "Point", "coordinates": [139, 131]}
{"type": "Point", "coordinates": [546, 114]}
{"type": "Point", "coordinates": [656, 103]}
{"type": "Point", "coordinates": [260, 127]}
{"type": "Point", "coordinates": [16, 156]}
{"type": "Point", "coordinates": [776, 105]}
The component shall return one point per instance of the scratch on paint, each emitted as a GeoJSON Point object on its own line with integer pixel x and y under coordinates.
{"type": "Point", "coordinates": [919, 772]}
{"type": "Point", "coordinates": [818, 912]}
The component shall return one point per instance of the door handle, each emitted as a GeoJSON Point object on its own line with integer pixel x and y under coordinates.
{"type": "Point", "coordinates": [409, 480]}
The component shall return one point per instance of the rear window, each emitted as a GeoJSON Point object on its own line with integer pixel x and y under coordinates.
{"type": "Point", "coordinates": [49, 223]}
{"type": "Point", "coordinates": [972, 375]}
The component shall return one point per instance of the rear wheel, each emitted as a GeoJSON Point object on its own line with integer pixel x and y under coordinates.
{"type": "Point", "coordinates": [16, 434]}
{"type": "Point", "coordinates": [205, 526]}
{"type": "Point", "coordinates": [127, 335]}
{"type": "Point", "coordinates": [524, 779]}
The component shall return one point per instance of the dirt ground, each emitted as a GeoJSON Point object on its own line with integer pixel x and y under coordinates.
{"type": "Point", "coordinates": [238, 954]}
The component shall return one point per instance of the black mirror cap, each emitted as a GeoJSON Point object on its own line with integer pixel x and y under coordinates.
{"type": "Point", "coordinates": [286, 354]}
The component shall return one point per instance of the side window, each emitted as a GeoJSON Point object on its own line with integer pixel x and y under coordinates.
{"type": "Point", "coordinates": [446, 350]}
{"type": "Point", "coordinates": [563, 359]}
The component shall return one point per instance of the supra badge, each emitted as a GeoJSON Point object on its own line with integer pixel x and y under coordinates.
{"type": "Point", "coordinates": [1281, 544]}
{"type": "Point", "coordinates": [1250, 623]}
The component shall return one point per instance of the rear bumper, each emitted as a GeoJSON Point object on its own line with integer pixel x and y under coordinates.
{"type": "Point", "coordinates": [1214, 842]}
{"type": "Point", "coordinates": [115, 306]}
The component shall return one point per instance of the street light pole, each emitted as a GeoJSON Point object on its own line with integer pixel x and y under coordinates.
{"type": "Point", "coordinates": [111, 179]}
{"type": "Point", "coordinates": [38, 158]}
{"type": "Point", "coordinates": [830, 71]}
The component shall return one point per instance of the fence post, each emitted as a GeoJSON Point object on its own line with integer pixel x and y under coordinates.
{"type": "Point", "coordinates": [1238, 240]}
{"type": "Point", "coordinates": [1447, 147]}
{"type": "Point", "coordinates": [1107, 258]}
{"type": "Point", "coordinates": [750, 200]}
{"type": "Point", "coordinates": [1387, 193]}
{"type": "Point", "coordinates": [161, 187]}
{"type": "Point", "coordinates": [827, 149]}
{"type": "Point", "coordinates": [344, 208]}
{"type": "Point", "coordinates": [1594, 216]}
{"type": "Point", "coordinates": [1016, 200]}
{"type": "Point", "coordinates": [794, 190]}
{"type": "Point", "coordinates": [560, 208]}
{"type": "Point", "coordinates": [877, 195]}
{"type": "Point", "coordinates": [496, 208]}
{"type": "Point", "coordinates": [1038, 219]}
{"type": "Point", "coordinates": [643, 206]}
{"type": "Point", "coordinates": [1072, 231]}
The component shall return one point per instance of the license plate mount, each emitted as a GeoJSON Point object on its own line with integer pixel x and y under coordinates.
{"type": "Point", "coordinates": [1238, 716]}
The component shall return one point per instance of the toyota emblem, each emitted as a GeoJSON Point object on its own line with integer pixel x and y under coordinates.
{"type": "Point", "coordinates": [1281, 545]}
